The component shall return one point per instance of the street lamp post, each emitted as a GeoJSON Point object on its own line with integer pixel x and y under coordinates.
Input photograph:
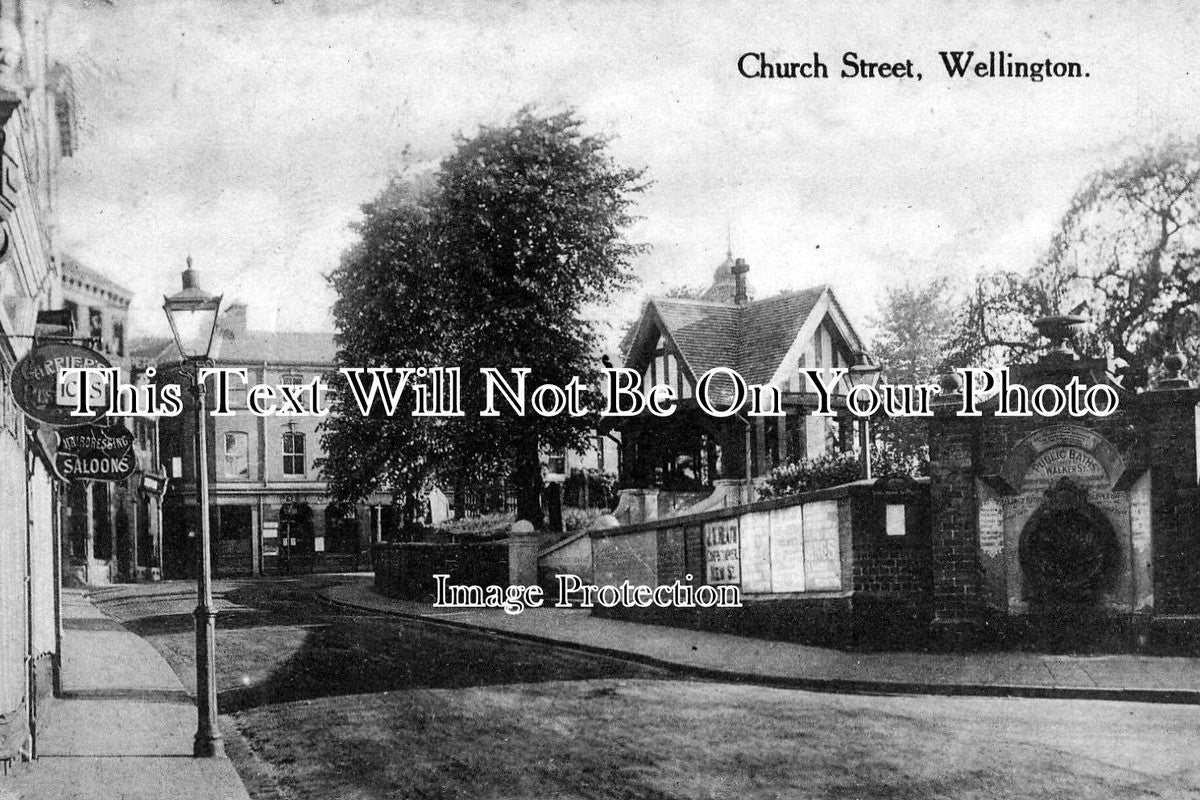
{"type": "Point", "coordinates": [864, 373]}
{"type": "Point", "coordinates": [192, 314]}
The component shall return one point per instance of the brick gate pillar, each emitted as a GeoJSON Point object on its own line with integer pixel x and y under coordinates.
{"type": "Point", "coordinates": [959, 612]}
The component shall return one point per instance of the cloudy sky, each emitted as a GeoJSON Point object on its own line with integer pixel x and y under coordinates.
{"type": "Point", "coordinates": [248, 132]}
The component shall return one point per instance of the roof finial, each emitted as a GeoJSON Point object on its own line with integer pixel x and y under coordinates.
{"type": "Point", "coordinates": [189, 261]}
{"type": "Point", "coordinates": [728, 239]}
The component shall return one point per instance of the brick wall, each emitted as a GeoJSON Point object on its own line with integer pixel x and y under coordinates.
{"type": "Point", "coordinates": [406, 569]}
{"type": "Point", "coordinates": [957, 570]}
{"type": "Point", "coordinates": [895, 566]}
{"type": "Point", "coordinates": [1154, 430]}
{"type": "Point", "coordinates": [672, 556]}
{"type": "Point", "coordinates": [1169, 417]}
{"type": "Point", "coordinates": [861, 588]}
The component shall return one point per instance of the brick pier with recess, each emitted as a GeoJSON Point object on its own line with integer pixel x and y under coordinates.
{"type": "Point", "coordinates": [1068, 531]}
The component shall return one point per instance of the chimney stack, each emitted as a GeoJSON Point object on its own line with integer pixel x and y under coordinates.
{"type": "Point", "coordinates": [739, 270]}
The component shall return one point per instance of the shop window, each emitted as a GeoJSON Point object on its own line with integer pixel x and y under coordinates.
{"type": "Point", "coordinates": [102, 530]}
{"type": "Point", "coordinates": [233, 522]}
{"type": "Point", "coordinates": [145, 537]}
{"type": "Point", "coordinates": [293, 453]}
{"type": "Point", "coordinates": [77, 519]}
{"type": "Point", "coordinates": [341, 529]}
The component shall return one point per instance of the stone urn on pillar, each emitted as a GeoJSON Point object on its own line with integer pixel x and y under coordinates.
{"type": "Point", "coordinates": [1173, 377]}
{"type": "Point", "coordinates": [1059, 330]}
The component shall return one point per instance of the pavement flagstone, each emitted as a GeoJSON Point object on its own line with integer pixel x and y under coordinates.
{"type": "Point", "coordinates": [124, 726]}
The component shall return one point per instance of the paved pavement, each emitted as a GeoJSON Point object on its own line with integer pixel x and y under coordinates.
{"type": "Point", "coordinates": [1004, 674]}
{"type": "Point", "coordinates": [125, 726]}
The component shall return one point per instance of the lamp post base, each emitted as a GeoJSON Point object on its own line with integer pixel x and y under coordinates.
{"type": "Point", "coordinates": [208, 746]}
{"type": "Point", "coordinates": [207, 743]}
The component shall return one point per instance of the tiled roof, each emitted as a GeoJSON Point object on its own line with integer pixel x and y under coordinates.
{"type": "Point", "coordinates": [768, 329]}
{"type": "Point", "coordinates": [706, 333]}
{"type": "Point", "coordinates": [752, 339]}
{"type": "Point", "coordinates": [150, 348]}
{"type": "Point", "coordinates": [282, 347]}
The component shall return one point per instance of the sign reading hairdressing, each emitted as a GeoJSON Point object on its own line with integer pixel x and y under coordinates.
{"type": "Point", "coordinates": [39, 392]}
{"type": "Point", "coordinates": [95, 453]}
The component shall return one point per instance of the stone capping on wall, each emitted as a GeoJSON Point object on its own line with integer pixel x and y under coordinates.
{"type": "Point", "coordinates": [1171, 395]}
{"type": "Point", "coordinates": [856, 488]}
{"type": "Point", "coordinates": [574, 537]}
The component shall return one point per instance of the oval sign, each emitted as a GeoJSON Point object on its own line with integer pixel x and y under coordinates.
{"type": "Point", "coordinates": [95, 453]}
{"type": "Point", "coordinates": [36, 389]}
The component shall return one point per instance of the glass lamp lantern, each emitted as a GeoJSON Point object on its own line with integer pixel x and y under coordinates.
{"type": "Point", "coordinates": [192, 314]}
{"type": "Point", "coordinates": [863, 373]}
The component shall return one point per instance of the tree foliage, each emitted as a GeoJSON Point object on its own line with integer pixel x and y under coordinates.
{"type": "Point", "coordinates": [915, 327]}
{"type": "Point", "coordinates": [1125, 255]}
{"type": "Point", "coordinates": [386, 314]}
{"type": "Point", "coordinates": [838, 467]}
{"type": "Point", "coordinates": [523, 230]}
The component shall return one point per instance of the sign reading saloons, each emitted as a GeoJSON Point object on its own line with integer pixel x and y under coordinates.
{"type": "Point", "coordinates": [95, 452]}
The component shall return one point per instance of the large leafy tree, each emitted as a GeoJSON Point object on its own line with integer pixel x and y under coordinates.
{"type": "Point", "coordinates": [386, 313]}
{"type": "Point", "coordinates": [1125, 255]}
{"type": "Point", "coordinates": [532, 217]}
{"type": "Point", "coordinates": [524, 229]}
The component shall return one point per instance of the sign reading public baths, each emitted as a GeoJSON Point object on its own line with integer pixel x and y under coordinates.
{"type": "Point", "coordinates": [1065, 462]}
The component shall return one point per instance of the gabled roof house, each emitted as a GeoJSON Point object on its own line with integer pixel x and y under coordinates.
{"type": "Point", "coordinates": [767, 342]}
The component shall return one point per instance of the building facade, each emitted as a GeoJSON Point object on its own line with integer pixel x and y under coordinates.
{"type": "Point", "coordinates": [693, 454]}
{"type": "Point", "coordinates": [271, 514]}
{"type": "Point", "coordinates": [37, 130]}
{"type": "Point", "coordinates": [111, 530]}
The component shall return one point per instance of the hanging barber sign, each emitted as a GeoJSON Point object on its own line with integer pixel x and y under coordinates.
{"type": "Point", "coordinates": [38, 391]}
{"type": "Point", "coordinates": [95, 453]}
